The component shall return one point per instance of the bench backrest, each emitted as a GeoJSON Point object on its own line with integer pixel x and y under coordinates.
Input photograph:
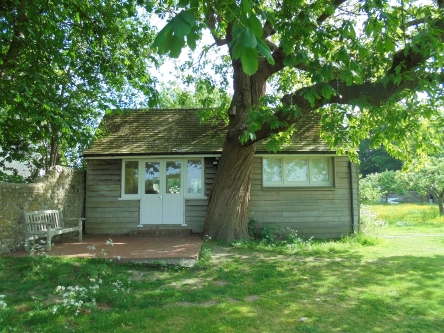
{"type": "Point", "coordinates": [37, 220]}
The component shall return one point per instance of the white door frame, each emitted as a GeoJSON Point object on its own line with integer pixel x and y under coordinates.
{"type": "Point", "coordinates": [165, 203]}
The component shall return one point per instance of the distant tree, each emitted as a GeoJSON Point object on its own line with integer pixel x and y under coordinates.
{"type": "Point", "coordinates": [428, 179]}
{"type": "Point", "coordinates": [376, 159]}
{"type": "Point", "coordinates": [202, 95]}
{"type": "Point", "coordinates": [392, 182]}
{"type": "Point", "coordinates": [376, 185]}
{"type": "Point", "coordinates": [369, 190]}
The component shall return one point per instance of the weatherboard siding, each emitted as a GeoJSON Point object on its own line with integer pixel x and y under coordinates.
{"type": "Point", "coordinates": [107, 214]}
{"type": "Point", "coordinates": [317, 212]}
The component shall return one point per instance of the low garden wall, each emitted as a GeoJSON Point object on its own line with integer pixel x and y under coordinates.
{"type": "Point", "coordinates": [60, 188]}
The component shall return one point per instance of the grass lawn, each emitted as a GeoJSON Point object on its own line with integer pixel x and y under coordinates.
{"type": "Point", "coordinates": [362, 284]}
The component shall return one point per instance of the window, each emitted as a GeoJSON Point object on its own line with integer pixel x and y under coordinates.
{"type": "Point", "coordinates": [131, 177]}
{"type": "Point", "coordinates": [194, 177]}
{"type": "Point", "coordinates": [297, 171]}
{"type": "Point", "coordinates": [162, 176]}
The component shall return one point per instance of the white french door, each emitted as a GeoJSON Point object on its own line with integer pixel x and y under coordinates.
{"type": "Point", "coordinates": [162, 200]}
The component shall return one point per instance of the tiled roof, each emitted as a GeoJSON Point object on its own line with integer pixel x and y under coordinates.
{"type": "Point", "coordinates": [178, 131]}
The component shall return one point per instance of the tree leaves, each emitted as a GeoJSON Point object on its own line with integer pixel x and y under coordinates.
{"type": "Point", "coordinates": [171, 39]}
{"type": "Point", "coordinates": [74, 61]}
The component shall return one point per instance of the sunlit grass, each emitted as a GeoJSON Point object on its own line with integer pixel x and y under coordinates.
{"type": "Point", "coordinates": [362, 283]}
{"type": "Point", "coordinates": [410, 218]}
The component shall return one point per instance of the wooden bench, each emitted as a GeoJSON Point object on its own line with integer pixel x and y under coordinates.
{"type": "Point", "coordinates": [48, 223]}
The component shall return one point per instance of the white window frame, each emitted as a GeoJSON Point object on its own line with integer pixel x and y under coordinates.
{"type": "Point", "coordinates": [123, 195]}
{"type": "Point", "coordinates": [296, 184]}
{"type": "Point", "coordinates": [202, 178]}
{"type": "Point", "coordinates": [184, 177]}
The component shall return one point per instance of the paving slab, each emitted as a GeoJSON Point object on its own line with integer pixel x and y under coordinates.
{"type": "Point", "coordinates": [177, 250]}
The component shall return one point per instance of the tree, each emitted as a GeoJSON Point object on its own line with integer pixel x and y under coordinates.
{"type": "Point", "coordinates": [428, 178]}
{"type": "Point", "coordinates": [369, 190]}
{"type": "Point", "coordinates": [392, 182]}
{"type": "Point", "coordinates": [62, 64]}
{"type": "Point", "coordinates": [359, 65]}
{"type": "Point", "coordinates": [375, 159]}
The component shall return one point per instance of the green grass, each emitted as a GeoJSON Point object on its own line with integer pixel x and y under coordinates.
{"type": "Point", "coordinates": [410, 219]}
{"type": "Point", "coordinates": [359, 284]}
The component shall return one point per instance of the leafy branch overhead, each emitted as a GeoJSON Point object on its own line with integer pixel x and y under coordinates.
{"type": "Point", "coordinates": [367, 54]}
{"type": "Point", "coordinates": [361, 68]}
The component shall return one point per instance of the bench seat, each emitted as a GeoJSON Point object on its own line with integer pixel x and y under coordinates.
{"type": "Point", "coordinates": [48, 223]}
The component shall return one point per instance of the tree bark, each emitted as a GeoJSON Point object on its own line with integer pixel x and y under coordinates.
{"type": "Point", "coordinates": [227, 214]}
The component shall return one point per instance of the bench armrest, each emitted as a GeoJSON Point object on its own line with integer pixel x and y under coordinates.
{"type": "Point", "coordinates": [70, 221]}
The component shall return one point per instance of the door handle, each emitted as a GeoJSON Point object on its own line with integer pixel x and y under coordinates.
{"type": "Point", "coordinates": [161, 197]}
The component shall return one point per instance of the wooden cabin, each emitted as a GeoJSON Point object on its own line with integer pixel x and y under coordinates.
{"type": "Point", "coordinates": [154, 170]}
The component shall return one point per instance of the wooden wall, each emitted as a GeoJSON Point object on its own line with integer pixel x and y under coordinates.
{"type": "Point", "coordinates": [317, 212]}
{"type": "Point", "coordinates": [105, 213]}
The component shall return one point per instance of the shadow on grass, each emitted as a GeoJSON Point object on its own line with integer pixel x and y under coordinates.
{"type": "Point", "coordinates": [249, 291]}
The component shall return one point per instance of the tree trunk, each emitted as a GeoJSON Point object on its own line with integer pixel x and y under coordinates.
{"type": "Point", "coordinates": [227, 214]}
{"type": "Point", "coordinates": [439, 200]}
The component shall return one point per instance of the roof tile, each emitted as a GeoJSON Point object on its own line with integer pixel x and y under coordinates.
{"type": "Point", "coordinates": [175, 131]}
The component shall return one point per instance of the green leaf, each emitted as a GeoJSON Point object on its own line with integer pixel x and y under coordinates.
{"type": "Point", "coordinates": [183, 3]}
{"type": "Point", "coordinates": [248, 38]}
{"type": "Point", "coordinates": [176, 45]}
{"type": "Point", "coordinates": [188, 17]}
{"type": "Point", "coordinates": [256, 26]}
{"type": "Point", "coordinates": [327, 91]}
{"type": "Point", "coordinates": [263, 49]}
{"type": "Point", "coordinates": [246, 6]}
{"type": "Point", "coordinates": [191, 40]}
{"type": "Point", "coordinates": [249, 60]}
{"type": "Point", "coordinates": [180, 26]}
{"type": "Point", "coordinates": [164, 47]}
{"type": "Point", "coordinates": [161, 36]}
{"type": "Point", "coordinates": [238, 49]}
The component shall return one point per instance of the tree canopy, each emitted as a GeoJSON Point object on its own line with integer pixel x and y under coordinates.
{"type": "Point", "coordinates": [361, 65]}
{"type": "Point", "coordinates": [62, 64]}
{"type": "Point", "coordinates": [375, 159]}
{"type": "Point", "coordinates": [428, 179]}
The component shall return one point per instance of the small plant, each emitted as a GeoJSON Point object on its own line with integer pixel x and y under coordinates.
{"type": "Point", "coordinates": [252, 227]}
{"type": "Point", "coordinates": [370, 223]}
{"type": "Point", "coordinates": [36, 247]}
{"type": "Point", "coordinates": [3, 304]}
{"type": "Point", "coordinates": [291, 235]}
{"type": "Point", "coordinates": [103, 252]}
{"type": "Point", "coordinates": [268, 233]}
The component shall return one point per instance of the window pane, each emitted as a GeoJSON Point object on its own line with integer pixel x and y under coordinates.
{"type": "Point", "coordinates": [152, 177]}
{"type": "Point", "coordinates": [272, 170]}
{"type": "Point", "coordinates": [194, 179]}
{"type": "Point", "coordinates": [296, 169]}
{"type": "Point", "coordinates": [131, 177]}
{"type": "Point", "coordinates": [173, 177]}
{"type": "Point", "coordinates": [319, 170]}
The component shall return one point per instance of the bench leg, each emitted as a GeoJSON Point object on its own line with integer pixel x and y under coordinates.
{"type": "Point", "coordinates": [80, 236]}
{"type": "Point", "coordinates": [48, 240]}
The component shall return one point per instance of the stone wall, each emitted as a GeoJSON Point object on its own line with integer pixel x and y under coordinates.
{"type": "Point", "coordinates": [61, 188]}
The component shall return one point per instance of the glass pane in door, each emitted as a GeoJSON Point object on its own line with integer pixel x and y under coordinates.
{"type": "Point", "coordinates": [173, 184]}
{"type": "Point", "coordinates": [152, 177]}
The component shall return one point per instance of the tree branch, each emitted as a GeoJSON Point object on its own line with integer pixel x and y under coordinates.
{"type": "Point", "coordinates": [18, 40]}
